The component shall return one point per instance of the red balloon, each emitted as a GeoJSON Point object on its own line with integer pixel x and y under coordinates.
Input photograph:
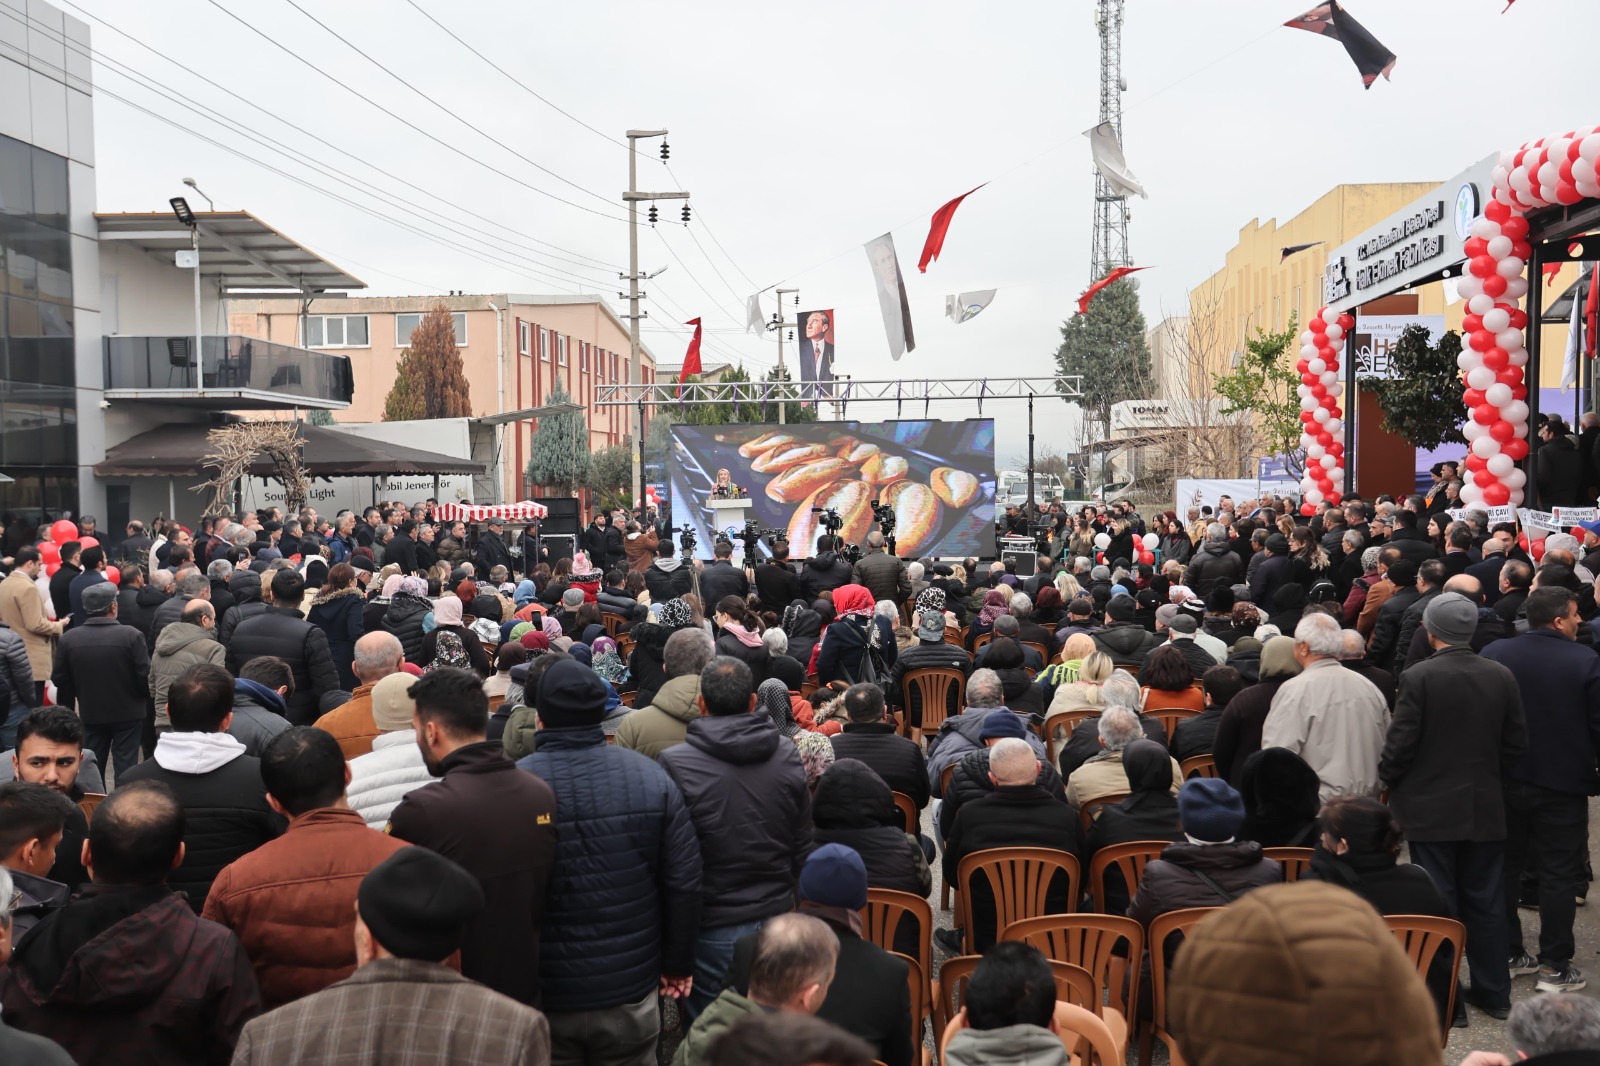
{"type": "Point", "coordinates": [1496, 495]}
{"type": "Point", "coordinates": [63, 530]}
{"type": "Point", "coordinates": [49, 551]}
{"type": "Point", "coordinates": [1515, 228]}
{"type": "Point", "coordinates": [50, 571]}
{"type": "Point", "coordinates": [1502, 431]}
{"type": "Point", "coordinates": [1471, 323]}
{"type": "Point", "coordinates": [1482, 478]}
{"type": "Point", "coordinates": [1307, 417]}
{"type": "Point", "coordinates": [1495, 211]}
{"type": "Point", "coordinates": [1567, 193]}
{"type": "Point", "coordinates": [113, 575]}
{"type": "Point", "coordinates": [1481, 266]}
{"type": "Point", "coordinates": [1328, 355]}
{"type": "Point", "coordinates": [1496, 359]}
{"type": "Point", "coordinates": [1476, 462]}
{"type": "Point", "coordinates": [1536, 549]}
{"type": "Point", "coordinates": [1307, 509]}
{"type": "Point", "coordinates": [1334, 498]}
{"type": "Point", "coordinates": [1147, 557]}
{"type": "Point", "coordinates": [1522, 541]}
{"type": "Point", "coordinates": [1472, 397]}
{"type": "Point", "coordinates": [1331, 404]}
{"type": "Point", "coordinates": [1302, 367]}
{"type": "Point", "coordinates": [1519, 317]}
{"type": "Point", "coordinates": [1325, 439]}
{"type": "Point", "coordinates": [1511, 375]}
{"type": "Point", "coordinates": [1522, 250]}
{"type": "Point", "coordinates": [1519, 392]}
{"type": "Point", "coordinates": [89, 542]}
{"type": "Point", "coordinates": [1494, 285]}
{"type": "Point", "coordinates": [1318, 327]}
{"type": "Point", "coordinates": [1485, 413]}
{"type": "Point", "coordinates": [1309, 379]}
{"type": "Point", "coordinates": [1473, 247]}
{"type": "Point", "coordinates": [1480, 340]}
{"type": "Point", "coordinates": [1516, 447]}
{"type": "Point", "coordinates": [1347, 321]}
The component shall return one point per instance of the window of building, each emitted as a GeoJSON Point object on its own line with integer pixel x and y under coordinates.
{"type": "Point", "coordinates": [336, 331]}
{"type": "Point", "coordinates": [544, 346]}
{"type": "Point", "coordinates": [524, 337]}
{"type": "Point", "coordinates": [616, 373]}
{"type": "Point", "coordinates": [405, 325]}
{"type": "Point", "coordinates": [583, 357]}
{"type": "Point", "coordinates": [600, 366]}
{"type": "Point", "coordinates": [561, 351]}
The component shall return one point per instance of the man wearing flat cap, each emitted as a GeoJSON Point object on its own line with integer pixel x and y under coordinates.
{"type": "Point", "coordinates": [103, 667]}
{"type": "Point", "coordinates": [403, 1006]}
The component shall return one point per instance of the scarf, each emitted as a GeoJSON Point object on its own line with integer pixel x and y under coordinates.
{"type": "Point", "coordinates": [414, 586]}
{"type": "Point", "coordinates": [773, 697]}
{"type": "Point", "coordinates": [674, 614]}
{"type": "Point", "coordinates": [930, 601]}
{"type": "Point", "coordinates": [743, 636]}
{"type": "Point", "coordinates": [996, 602]}
{"type": "Point", "coordinates": [851, 600]}
{"type": "Point", "coordinates": [391, 586]}
{"type": "Point", "coordinates": [447, 612]}
{"type": "Point", "coordinates": [551, 627]}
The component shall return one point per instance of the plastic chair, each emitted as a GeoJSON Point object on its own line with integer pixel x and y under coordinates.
{"type": "Point", "coordinates": [628, 697]}
{"type": "Point", "coordinates": [495, 702]}
{"type": "Point", "coordinates": [945, 888]}
{"type": "Point", "coordinates": [881, 918]}
{"type": "Point", "coordinates": [952, 635]}
{"type": "Point", "coordinates": [1162, 929]}
{"type": "Point", "coordinates": [980, 640]}
{"type": "Point", "coordinates": [90, 801]}
{"type": "Point", "coordinates": [1199, 766]}
{"type": "Point", "coordinates": [935, 686]}
{"type": "Point", "coordinates": [1169, 717]}
{"type": "Point", "coordinates": [613, 624]}
{"type": "Point", "coordinates": [1130, 859]}
{"type": "Point", "coordinates": [1087, 812]}
{"type": "Point", "coordinates": [1043, 650]}
{"type": "Point", "coordinates": [1080, 1028]}
{"type": "Point", "coordinates": [625, 646]}
{"type": "Point", "coordinates": [921, 999]}
{"type": "Point", "coordinates": [908, 807]}
{"type": "Point", "coordinates": [1421, 936]}
{"type": "Point", "coordinates": [1067, 720]}
{"type": "Point", "coordinates": [1091, 941]}
{"type": "Point", "coordinates": [1020, 880]}
{"type": "Point", "coordinates": [1295, 861]}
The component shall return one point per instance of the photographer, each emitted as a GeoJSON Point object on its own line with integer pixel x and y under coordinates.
{"type": "Point", "coordinates": [721, 579]}
{"type": "Point", "coordinates": [777, 584]}
{"type": "Point", "coordinates": [824, 571]}
{"type": "Point", "coordinates": [882, 574]}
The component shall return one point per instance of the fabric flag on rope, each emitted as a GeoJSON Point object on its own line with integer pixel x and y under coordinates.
{"type": "Point", "coordinates": [938, 228]}
{"type": "Point", "coordinates": [967, 304]}
{"type": "Point", "coordinates": [891, 294]}
{"type": "Point", "coordinates": [1093, 290]}
{"type": "Point", "coordinates": [1296, 249]}
{"type": "Point", "coordinates": [1107, 152]}
{"type": "Point", "coordinates": [691, 358]}
{"type": "Point", "coordinates": [754, 320]}
{"type": "Point", "coordinates": [1550, 270]}
{"type": "Point", "coordinates": [1591, 312]}
{"type": "Point", "coordinates": [1330, 20]}
{"type": "Point", "coordinates": [1569, 361]}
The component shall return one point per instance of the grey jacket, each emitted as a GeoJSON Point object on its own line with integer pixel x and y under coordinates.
{"type": "Point", "coordinates": [1013, 1045]}
{"type": "Point", "coordinates": [18, 670]}
{"type": "Point", "coordinates": [180, 646]}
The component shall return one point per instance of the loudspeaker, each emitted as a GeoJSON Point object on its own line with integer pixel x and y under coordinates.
{"type": "Point", "coordinates": [1025, 558]}
{"type": "Point", "coordinates": [563, 517]}
{"type": "Point", "coordinates": [559, 545]}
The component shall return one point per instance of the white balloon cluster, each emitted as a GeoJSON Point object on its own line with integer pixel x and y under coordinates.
{"type": "Point", "coordinates": [1321, 417]}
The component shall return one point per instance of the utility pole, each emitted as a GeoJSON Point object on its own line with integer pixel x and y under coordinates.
{"type": "Point", "coordinates": [780, 325]}
{"type": "Point", "coordinates": [1110, 210]}
{"type": "Point", "coordinates": [635, 372]}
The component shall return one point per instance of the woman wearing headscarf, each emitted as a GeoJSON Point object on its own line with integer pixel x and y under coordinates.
{"type": "Point", "coordinates": [384, 588]}
{"type": "Point", "coordinates": [646, 665]}
{"type": "Point", "coordinates": [1022, 696]}
{"type": "Point", "coordinates": [803, 627]}
{"type": "Point", "coordinates": [816, 750]}
{"type": "Point", "coordinates": [854, 807]}
{"type": "Point", "coordinates": [608, 664]}
{"type": "Point", "coordinates": [996, 602]}
{"type": "Point", "coordinates": [1288, 606]}
{"type": "Point", "coordinates": [854, 635]}
{"type": "Point", "coordinates": [1280, 799]}
{"type": "Point", "coordinates": [1239, 728]}
{"type": "Point", "coordinates": [551, 628]}
{"type": "Point", "coordinates": [1149, 813]}
{"type": "Point", "coordinates": [404, 616]}
{"type": "Point", "coordinates": [931, 600]}
{"type": "Point", "coordinates": [447, 618]}
{"type": "Point", "coordinates": [741, 637]}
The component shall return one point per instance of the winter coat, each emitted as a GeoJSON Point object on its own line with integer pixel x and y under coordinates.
{"type": "Point", "coordinates": [652, 729]}
{"type": "Point", "coordinates": [510, 854]}
{"type": "Point", "coordinates": [923, 654]}
{"type": "Point", "coordinates": [129, 975]}
{"type": "Point", "coordinates": [624, 899]}
{"type": "Point", "coordinates": [340, 615]}
{"type": "Point", "coordinates": [304, 881]}
{"type": "Point", "coordinates": [844, 643]}
{"type": "Point", "coordinates": [1022, 695]}
{"type": "Point", "coordinates": [1384, 649]}
{"type": "Point", "coordinates": [896, 759]}
{"type": "Point", "coordinates": [970, 781]}
{"type": "Point", "coordinates": [180, 646]}
{"type": "Point", "coordinates": [492, 552]}
{"type": "Point", "coordinates": [18, 672]}
{"type": "Point", "coordinates": [103, 668]}
{"type": "Point", "coordinates": [855, 808]}
{"type": "Point", "coordinates": [1213, 564]}
{"type": "Point", "coordinates": [1239, 729]}
{"type": "Point", "coordinates": [1170, 882]}
{"type": "Point", "coordinates": [1083, 743]}
{"type": "Point", "coordinates": [351, 723]}
{"type": "Point", "coordinates": [403, 618]}
{"type": "Point", "coordinates": [380, 779]}
{"type": "Point", "coordinates": [646, 664]}
{"type": "Point", "coordinates": [721, 1015]}
{"type": "Point", "coordinates": [1458, 727]}
{"type": "Point", "coordinates": [756, 657]}
{"type": "Point", "coordinates": [751, 863]}
{"type": "Point", "coordinates": [1013, 816]}
{"type": "Point", "coordinates": [721, 578]}
{"type": "Point", "coordinates": [1010, 1045]}
{"type": "Point", "coordinates": [22, 609]}
{"type": "Point", "coordinates": [137, 608]}
{"type": "Point", "coordinates": [778, 586]}
{"type": "Point", "coordinates": [821, 573]}
{"type": "Point", "coordinates": [1558, 473]}
{"type": "Point", "coordinates": [1560, 684]}
{"type": "Point", "coordinates": [1104, 775]}
{"type": "Point", "coordinates": [961, 735]}
{"type": "Point", "coordinates": [884, 575]}
{"type": "Point", "coordinates": [259, 714]}
{"type": "Point", "coordinates": [1268, 576]}
{"type": "Point", "coordinates": [667, 579]}
{"type": "Point", "coordinates": [1126, 642]}
{"type": "Point", "coordinates": [280, 631]}
{"type": "Point", "coordinates": [1149, 813]}
{"type": "Point", "coordinates": [640, 549]}
{"type": "Point", "coordinates": [247, 603]}
{"type": "Point", "coordinates": [804, 632]}
{"type": "Point", "coordinates": [221, 598]}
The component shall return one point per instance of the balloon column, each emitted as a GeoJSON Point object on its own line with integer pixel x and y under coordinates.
{"type": "Point", "coordinates": [1552, 170]}
{"type": "Point", "coordinates": [1322, 429]}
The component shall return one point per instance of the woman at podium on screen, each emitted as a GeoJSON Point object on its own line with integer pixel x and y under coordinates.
{"type": "Point", "coordinates": [724, 488]}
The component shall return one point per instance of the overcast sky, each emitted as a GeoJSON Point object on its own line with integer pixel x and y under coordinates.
{"type": "Point", "coordinates": [804, 132]}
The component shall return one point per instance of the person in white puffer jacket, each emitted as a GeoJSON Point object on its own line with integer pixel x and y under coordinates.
{"type": "Point", "coordinates": [380, 779]}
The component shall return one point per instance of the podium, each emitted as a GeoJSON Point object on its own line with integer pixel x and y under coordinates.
{"type": "Point", "coordinates": [731, 512]}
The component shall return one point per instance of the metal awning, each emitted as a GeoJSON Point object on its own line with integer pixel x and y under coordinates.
{"type": "Point", "coordinates": [175, 451]}
{"type": "Point", "coordinates": [235, 247]}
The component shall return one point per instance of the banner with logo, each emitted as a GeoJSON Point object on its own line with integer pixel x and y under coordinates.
{"type": "Point", "coordinates": [1496, 514]}
{"type": "Point", "coordinates": [1537, 521]}
{"type": "Point", "coordinates": [1377, 335]}
{"type": "Point", "coordinates": [1567, 517]}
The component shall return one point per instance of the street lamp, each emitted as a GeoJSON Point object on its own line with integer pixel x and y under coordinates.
{"type": "Point", "coordinates": [180, 208]}
{"type": "Point", "coordinates": [191, 183]}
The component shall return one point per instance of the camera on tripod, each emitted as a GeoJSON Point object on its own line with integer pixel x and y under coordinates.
{"type": "Point", "coordinates": [753, 533]}
{"type": "Point", "coordinates": [829, 519]}
{"type": "Point", "coordinates": [686, 539]}
{"type": "Point", "coordinates": [883, 514]}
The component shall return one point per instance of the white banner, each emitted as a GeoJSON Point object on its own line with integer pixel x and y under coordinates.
{"type": "Point", "coordinates": [1205, 492]}
{"type": "Point", "coordinates": [1567, 517]}
{"type": "Point", "coordinates": [1496, 514]}
{"type": "Point", "coordinates": [1537, 521]}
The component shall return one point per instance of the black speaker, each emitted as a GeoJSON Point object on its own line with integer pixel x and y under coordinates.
{"type": "Point", "coordinates": [563, 517]}
{"type": "Point", "coordinates": [1025, 558]}
{"type": "Point", "coordinates": [559, 546]}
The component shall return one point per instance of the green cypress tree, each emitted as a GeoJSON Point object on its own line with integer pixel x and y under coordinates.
{"type": "Point", "coordinates": [559, 454]}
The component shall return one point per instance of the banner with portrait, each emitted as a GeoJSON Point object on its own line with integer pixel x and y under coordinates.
{"type": "Point", "coordinates": [816, 353]}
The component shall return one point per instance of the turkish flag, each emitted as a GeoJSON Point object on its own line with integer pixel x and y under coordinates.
{"type": "Point", "coordinates": [1089, 293]}
{"type": "Point", "coordinates": [938, 228]}
{"type": "Point", "coordinates": [691, 358]}
{"type": "Point", "coordinates": [1591, 312]}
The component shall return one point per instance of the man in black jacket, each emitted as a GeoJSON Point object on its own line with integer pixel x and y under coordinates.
{"type": "Point", "coordinates": [281, 630]}
{"type": "Point", "coordinates": [61, 580]}
{"type": "Point", "coordinates": [1383, 650]}
{"type": "Point", "coordinates": [776, 582]}
{"type": "Point", "coordinates": [872, 740]}
{"type": "Point", "coordinates": [721, 578]}
{"type": "Point", "coordinates": [735, 761]}
{"type": "Point", "coordinates": [219, 786]}
{"type": "Point", "coordinates": [137, 601]}
{"type": "Point", "coordinates": [1431, 577]}
{"type": "Point", "coordinates": [104, 668]}
{"type": "Point", "coordinates": [402, 549]}
{"type": "Point", "coordinates": [1413, 543]}
{"type": "Point", "coordinates": [884, 575]}
{"type": "Point", "coordinates": [1516, 580]}
{"type": "Point", "coordinates": [511, 855]}
{"type": "Point", "coordinates": [669, 577]}
{"type": "Point", "coordinates": [824, 571]}
{"type": "Point", "coordinates": [593, 540]}
{"type": "Point", "coordinates": [136, 548]}
{"type": "Point", "coordinates": [492, 551]}
{"type": "Point", "coordinates": [930, 650]}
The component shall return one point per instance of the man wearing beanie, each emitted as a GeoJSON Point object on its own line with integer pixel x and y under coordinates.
{"type": "Point", "coordinates": [624, 899]}
{"type": "Point", "coordinates": [567, 615]}
{"type": "Point", "coordinates": [1210, 867]}
{"type": "Point", "coordinates": [868, 996]}
{"type": "Point", "coordinates": [382, 777]}
{"type": "Point", "coordinates": [1272, 571]}
{"type": "Point", "coordinates": [1458, 729]}
{"type": "Point", "coordinates": [486, 815]}
{"type": "Point", "coordinates": [402, 1004]}
{"type": "Point", "coordinates": [1126, 641]}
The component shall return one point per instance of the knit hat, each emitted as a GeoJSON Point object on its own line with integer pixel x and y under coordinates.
{"type": "Point", "coordinates": [674, 614]}
{"type": "Point", "coordinates": [1278, 544]}
{"type": "Point", "coordinates": [1210, 810]}
{"type": "Point", "coordinates": [570, 694]}
{"type": "Point", "coordinates": [1451, 617]}
{"type": "Point", "coordinates": [1100, 573]}
{"type": "Point", "coordinates": [834, 876]}
{"type": "Point", "coordinates": [1120, 609]}
{"type": "Point", "coordinates": [417, 904]}
{"type": "Point", "coordinates": [572, 599]}
{"type": "Point", "coordinates": [1165, 614]}
{"type": "Point", "coordinates": [98, 598]}
{"type": "Point", "coordinates": [391, 707]}
{"type": "Point", "coordinates": [1003, 723]}
{"type": "Point", "coordinates": [931, 627]}
{"type": "Point", "coordinates": [1561, 542]}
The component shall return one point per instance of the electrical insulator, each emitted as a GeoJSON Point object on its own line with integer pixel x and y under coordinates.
{"type": "Point", "coordinates": [665, 151]}
{"type": "Point", "coordinates": [797, 299]}
{"type": "Point", "coordinates": [791, 334]}
{"type": "Point", "coordinates": [652, 214]}
{"type": "Point", "coordinates": [685, 213]}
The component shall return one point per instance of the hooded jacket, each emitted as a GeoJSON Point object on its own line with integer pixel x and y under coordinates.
{"type": "Point", "coordinates": [137, 608]}
{"type": "Point", "coordinates": [130, 975]}
{"type": "Point", "coordinates": [1010, 1045]}
{"type": "Point", "coordinates": [1170, 883]}
{"type": "Point", "coordinates": [653, 729]}
{"type": "Point", "coordinates": [180, 646]}
{"type": "Point", "coordinates": [640, 548]}
{"type": "Point", "coordinates": [896, 759]}
{"type": "Point", "coordinates": [280, 631]}
{"type": "Point", "coordinates": [380, 779]}
{"type": "Point", "coordinates": [804, 629]}
{"type": "Point", "coordinates": [403, 618]}
{"type": "Point", "coordinates": [855, 808]}
{"type": "Point", "coordinates": [720, 1016]}
{"type": "Point", "coordinates": [224, 804]}
{"type": "Point", "coordinates": [646, 664]}
{"type": "Point", "coordinates": [1149, 813]}
{"type": "Point", "coordinates": [668, 578]}
{"type": "Point", "coordinates": [1212, 564]}
{"type": "Point", "coordinates": [1239, 728]}
{"type": "Point", "coordinates": [823, 572]}
{"type": "Point", "coordinates": [746, 791]}
{"type": "Point", "coordinates": [1126, 642]}
{"type": "Point", "coordinates": [259, 714]}
{"type": "Point", "coordinates": [339, 614]}
{"type": "Point", "coordinates": [961, 735]}
{"type": "Point", "coordinates": [1279, 789]}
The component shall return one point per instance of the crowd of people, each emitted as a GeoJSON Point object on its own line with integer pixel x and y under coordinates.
{"type": "Point", "coordinates": [369, 789]}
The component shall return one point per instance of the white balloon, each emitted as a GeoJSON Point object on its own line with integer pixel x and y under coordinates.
{"type": "Point", "coordinates": [1335, 331]}
{"type": "Point", "coordinates": [1466, 359]}
{"type": "Point", "coordinates": [1320, 414]}
{"type": "Point", "coordinates": [1102, 541]}
{"type": "Point", "coordinates": [1151, 542]}
{"type": "Point", "coordinates": [1470, 288]}
{"type": "Point", "coordinates": [1313, 495]}
{"type": "Point", "coordinates": [1337, 474]}
{"type": "Point", "coordinates": [1486, 228]}
{"type": "Point", "coordinates": [1472, 430]}
{"type": "Point", "coordinates": [1330, 380]}
{"type": "Point", "coordinates": [1513, 411]}
{"type": "Point", "coordinates": [1485, 446]}
{"type": "Point", "coordinates": [1514, 479]}
{"type": "Point", "coordinates": [1518, 356]}
{"type": "Point", "coordinates": [1329, 462]}
{"type": "Point", "coordinates": [1334, 426]}
{"type": "Point", "coordinates": [1558, 150]}
{"type": "Point", "coordinates": [1510, 267]}
{"type": "Point", "coordinates": [1589, 190]}
{"type": "Point", "coordinates": [1479, 303]}
{"type": "Point", "coordinates": [1317, 365]}
{"type": "Point", "coordinates": [1307, 337]}
{"type": "Point", "coordinates": [1549, 174]}
{"type": "Point", "coordinates": [1499, 318]}
{"type": "Point", "coordinates": [1589, 148]}
{"type": "Point", "coordinates": [1501, 465]}
{"type": "Point", "coordinates": [1584, 170]}
{"type": "Point", "coordinates": [1471, 493]}
{"type": "Point", "coordinates": [1516, 497]}
{"type": "Point", "coordinates": [1480, 377]}
{"type": "Point", "coordinates": [1522, 430]}
{"type": "Point", "coordinates": [1308, 351]}
{"type": "Point", "coordinates": [1516, 288]}
{"type": "Point", "coordinates": [1500, 247]}
{"type": "Point", "coordinates": [1519, 180]}
{"type": "Point", "coordinates": [1497, 394]}
{"type": "Point", "coordinates": [1309, 403]}
{"type": "Point", "coordinates": [1314, 451]}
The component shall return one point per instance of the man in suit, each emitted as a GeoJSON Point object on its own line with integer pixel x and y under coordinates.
{"type": "Point", "coordinates": [816, 351]}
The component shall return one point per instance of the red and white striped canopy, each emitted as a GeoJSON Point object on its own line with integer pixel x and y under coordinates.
{"type": "Point", "coordinates": [526, 511]}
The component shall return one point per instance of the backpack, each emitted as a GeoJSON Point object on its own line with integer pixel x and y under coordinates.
{"type": "Point", "coordinates": [449, 651]}
{"type": "Point", "coordinates": [870, 670]}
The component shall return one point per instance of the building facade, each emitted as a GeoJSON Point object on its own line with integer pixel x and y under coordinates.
{"type": "Point", "coordinates": [514, 347]}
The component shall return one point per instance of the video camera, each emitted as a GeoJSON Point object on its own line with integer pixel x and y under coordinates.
{"type": "Point", "coordinates": [686, 539]}
{"type": "Point", "coordinates": [831, 520]}
{"type": "Point", "coordinates": [883, 514]}
{"type": "Point", "coordinates": [753, 533]}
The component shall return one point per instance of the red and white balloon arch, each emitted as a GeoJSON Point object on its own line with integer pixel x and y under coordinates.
{"type": "Point", "coordinates": [1321, 417]}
